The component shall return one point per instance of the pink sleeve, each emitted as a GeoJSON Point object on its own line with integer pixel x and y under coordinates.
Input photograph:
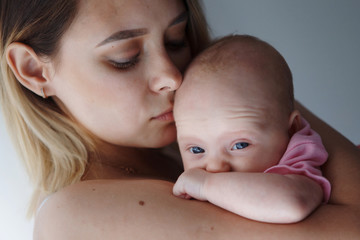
{"type": "Point", "coordinates": [304, 155]}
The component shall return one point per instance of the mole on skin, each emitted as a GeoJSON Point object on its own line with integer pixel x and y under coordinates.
{"type": "Point", "coordinates": [141, 203]}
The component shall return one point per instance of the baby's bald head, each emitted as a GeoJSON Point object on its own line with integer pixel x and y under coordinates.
{"type": "Point", "coordinates": [247, 54]}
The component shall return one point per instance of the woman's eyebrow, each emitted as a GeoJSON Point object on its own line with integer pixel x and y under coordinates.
{"type": "Point", "coordinates": [124, 34]}
{"type": "Point", "coordinates": [131, 33]}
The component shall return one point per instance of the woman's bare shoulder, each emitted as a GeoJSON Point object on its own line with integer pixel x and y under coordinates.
{"type": "Point", "coordinates": [87, 209]}
{"type": "Point", "coordinates": [146, 209]}
{"type": "Point", "coordinates": [126, 209]}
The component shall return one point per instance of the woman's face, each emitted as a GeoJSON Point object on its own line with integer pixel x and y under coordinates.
{"type": "Point", "coordinates": [118, 66]}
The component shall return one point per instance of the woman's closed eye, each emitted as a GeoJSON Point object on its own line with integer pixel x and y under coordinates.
{"type": "Point", "coordinates": [176, 45]}
{"type": "Point", "coordinates": [125, 64]}
{"type": "Point", "coordinates": [240, 145]}
{"type": "Point", "coordinates": [196, 150]}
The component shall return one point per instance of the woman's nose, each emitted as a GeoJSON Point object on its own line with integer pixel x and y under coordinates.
{"type": "Point", "coordinates": [165, 76]}
{"type": "Point", "coordinates": [218, 165]}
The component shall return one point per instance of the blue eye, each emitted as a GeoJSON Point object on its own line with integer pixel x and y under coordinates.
{"type": "Point", "coordinates": [196, 150]}
{"type": "Point", "coordinates": [240, 145]}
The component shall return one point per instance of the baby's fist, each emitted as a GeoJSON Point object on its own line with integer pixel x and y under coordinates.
{"type": "Point", "coordinates": [190, 184]}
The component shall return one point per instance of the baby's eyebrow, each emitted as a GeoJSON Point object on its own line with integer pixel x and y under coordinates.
{"type": "Point", "coordinates": [242, 134]}
{"type": "Point", "coordinates": [189, 140]}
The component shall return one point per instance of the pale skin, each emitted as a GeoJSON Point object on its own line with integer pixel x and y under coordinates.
{"type": "Point", "coordinates": [146, 208]}
{"type": "Point", "coordinates": [228, 136]}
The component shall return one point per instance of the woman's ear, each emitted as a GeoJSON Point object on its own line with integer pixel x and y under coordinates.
{"type": "Point", "coordinates": [294, 122]}
{"type": "Point", "coordinates": [27, 67]}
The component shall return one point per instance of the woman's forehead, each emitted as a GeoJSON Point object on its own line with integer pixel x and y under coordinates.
{"type": "Point", "coordinates": [111, 10]}
{"type": "Point", "coordinates": [101, 19]}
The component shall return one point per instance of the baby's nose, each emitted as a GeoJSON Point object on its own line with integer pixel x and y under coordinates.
{"type": "Point", "coordinates": [218, 165]}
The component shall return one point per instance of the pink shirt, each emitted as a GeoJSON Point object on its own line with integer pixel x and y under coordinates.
{"type": "Point", "coordinates": [304, 155]}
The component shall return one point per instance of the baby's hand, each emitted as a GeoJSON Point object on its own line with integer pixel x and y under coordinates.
{"type": "Point", "coordinates": [190, 184]}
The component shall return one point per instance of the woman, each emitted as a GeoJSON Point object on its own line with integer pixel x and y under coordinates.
{"type": "Point", "coordinates": [87, 89]}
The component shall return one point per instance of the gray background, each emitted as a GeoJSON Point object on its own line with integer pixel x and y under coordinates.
{"type": "Point", "coordinates": [320, 41]}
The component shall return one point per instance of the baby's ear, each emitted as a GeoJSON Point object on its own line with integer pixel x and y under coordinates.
{"type": "Point", "coordinates": [27, 67]}
{"type": "Point", "coordinates": [294, 122]}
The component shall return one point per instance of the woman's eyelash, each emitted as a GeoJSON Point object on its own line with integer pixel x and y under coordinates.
{"type": "Point", "coordinates": [125, 64]}
{"type": "Point", "coordinates": [175, 45]}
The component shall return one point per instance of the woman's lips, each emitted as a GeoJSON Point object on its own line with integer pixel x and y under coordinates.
{"type": "Point", "coordinates": [166, 116]}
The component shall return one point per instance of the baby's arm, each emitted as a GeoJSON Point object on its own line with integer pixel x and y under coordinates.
{"type": "Point", "coordinates": [263, 197]}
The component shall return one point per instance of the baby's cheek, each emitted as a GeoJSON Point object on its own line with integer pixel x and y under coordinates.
{"type": "Point", "coordinates": [189, 163]}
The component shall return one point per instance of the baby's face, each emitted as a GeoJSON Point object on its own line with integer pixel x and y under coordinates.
{"type": "Point", "coordinates": [224, 124]}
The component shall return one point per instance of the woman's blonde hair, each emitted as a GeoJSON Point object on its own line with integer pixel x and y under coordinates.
{"type": "Point", "coordinates": [54, 148]}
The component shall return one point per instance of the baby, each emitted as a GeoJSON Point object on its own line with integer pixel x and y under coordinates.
{"type": "Point", "coordinates": [244, 146]}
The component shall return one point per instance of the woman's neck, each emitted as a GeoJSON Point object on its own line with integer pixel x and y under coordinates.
{"type": "Point", "coordinates": [114, 162]}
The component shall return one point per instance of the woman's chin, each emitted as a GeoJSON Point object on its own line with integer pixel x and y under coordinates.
{"type": "Point", "coordinates": [164, 139]}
